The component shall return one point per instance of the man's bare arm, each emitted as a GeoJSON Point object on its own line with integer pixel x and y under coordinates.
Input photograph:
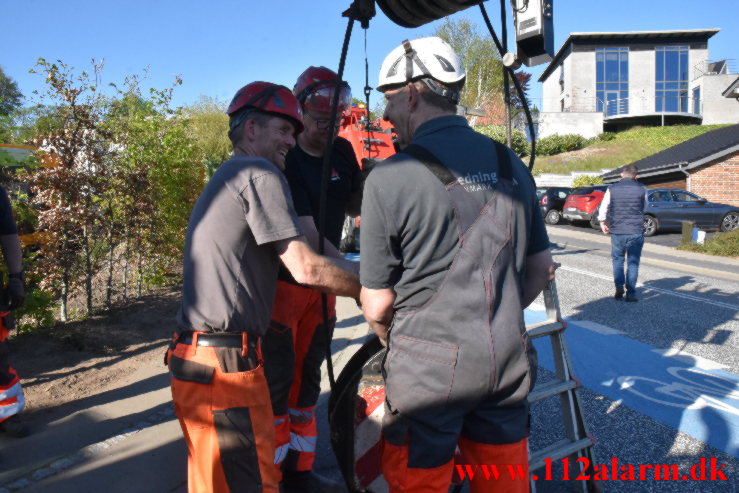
{"type": "Point", "coordinates": [311, 235]}
{"type": "Point", "coordinates": [316, 271]}
{"type": "Point", "coordinates": [539, 271]}
{"type": "Point", "coordinates": [377, 308]}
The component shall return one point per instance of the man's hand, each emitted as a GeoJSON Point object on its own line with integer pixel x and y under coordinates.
{"type": "Point", "coordinates": [552, 269]}
{"type": "Point", "coordinates": [377, 308]}
{"type": "Point", "coordinates": [16, 293]}
{"type": "Point", "coordinates": [604, 227]}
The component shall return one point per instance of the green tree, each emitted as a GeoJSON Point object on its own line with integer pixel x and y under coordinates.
{"type": "Point", "coordinates": [479, 58]}
{"type": "Point", "coordinates": [207, 126]}
{"type": "Point", "coordinates": [10, 95]}
{"type": "Point", "coordinates": [31, 121]}
{"type": "Point", "coordinates": [159, 176]}
{"type": "Point", "coordinates": [67, 193]}
{"type": "Point", "coordinates": [10, 101]}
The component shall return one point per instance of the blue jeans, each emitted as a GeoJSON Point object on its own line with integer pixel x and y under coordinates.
{"type": "Point", "coordinates": [628, 246]}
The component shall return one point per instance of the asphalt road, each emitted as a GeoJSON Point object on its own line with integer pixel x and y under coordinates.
{"type": "Point", "coordinates": [660, 385]}
{"type": "Point", "coordinates": [644, 407]}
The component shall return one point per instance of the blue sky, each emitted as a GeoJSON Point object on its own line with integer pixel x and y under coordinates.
{"type": "Point", "coordinates": [220, 45]}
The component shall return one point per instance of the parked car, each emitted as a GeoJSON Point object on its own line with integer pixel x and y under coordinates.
{"type": "Point", "coordinates": [551, 200]}
{"type": "Point", "coordinates": [668, 208]}
{"type": "Point", "coordinates": [582, 204]}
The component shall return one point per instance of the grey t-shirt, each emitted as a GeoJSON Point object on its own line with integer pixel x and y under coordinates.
{"type": "Point", "coordinates": [409, 233]}
{"type": "Point", "coordinates": [230, 265]}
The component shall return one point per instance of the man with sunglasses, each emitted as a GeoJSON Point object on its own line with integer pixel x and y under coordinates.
{"type": "Point", "coordinates": [296, 342]}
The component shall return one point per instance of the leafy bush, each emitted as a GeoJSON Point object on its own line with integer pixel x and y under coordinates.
{"type": "Point", "coordinates": [606, 136]}
{"type": "Point", "coordinates": [498, 133]}
{"type": "Point", "coordinates": [723, 244]}
{"type": "Point", "coordinates": [585, 180]}
{"type": "Point", "coordinates": [37, 311]}
{"type": "Point", "coordinates": [555, 144]}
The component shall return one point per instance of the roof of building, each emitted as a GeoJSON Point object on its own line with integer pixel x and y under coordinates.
{"type": "Point", "coordinates": [630, 36]}
{"type": "Point", "coordinates": [687, 155]}
{"type": "Point", "coordinates": [733, 90]}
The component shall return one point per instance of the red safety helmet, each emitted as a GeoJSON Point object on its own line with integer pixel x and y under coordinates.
{"type": "Point", "coordinates": [270, 98]}
{"type": "Point", "coordinates": [315, 90]}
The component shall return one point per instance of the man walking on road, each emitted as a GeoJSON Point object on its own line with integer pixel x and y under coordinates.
{"type": "Point", "coordinates": [621, 215]}
{"type": "Point", "coordinates": [453, 248]}
{"type": "Point", "coordinates": [241, 227]}
{"type": "Point", "coordinates": [296, 342]}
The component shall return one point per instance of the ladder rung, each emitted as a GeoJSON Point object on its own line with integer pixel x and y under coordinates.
{"type": "Point", "coordinates": [557, 451]}
{"type": "Point", "coordinates": [544, 328]}
{"type": "Point", "coordinates": [552, 388]}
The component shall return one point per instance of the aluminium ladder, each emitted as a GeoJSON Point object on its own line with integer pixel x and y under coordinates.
{"type": "Point", "coordinates": [578, 442]}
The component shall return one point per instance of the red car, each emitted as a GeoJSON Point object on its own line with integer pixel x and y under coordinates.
{"type": "Point", "coordinates": [582, 204]}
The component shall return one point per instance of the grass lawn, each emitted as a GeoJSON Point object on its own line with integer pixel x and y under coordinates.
{"type": "Point", "coordinates": [612, 150]}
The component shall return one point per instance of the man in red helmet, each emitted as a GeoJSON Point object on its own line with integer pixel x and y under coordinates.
{"type": "Point", "coordinates": [241, 227]}
{"type": "Point", "coordinates": [296, 343]}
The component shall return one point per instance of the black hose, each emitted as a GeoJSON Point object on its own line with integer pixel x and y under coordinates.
{"type": "Point", "coordinates": [324, 191]}
{"type": "Point", "coordinates": [519, 89]}
{"type": "Point", "coordinates": [506, 75]}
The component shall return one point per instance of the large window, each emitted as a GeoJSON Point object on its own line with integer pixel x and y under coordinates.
{"type": "Point", "coordinates": [672, 79]}
{"type": "Point", "coordinates": [612, 80]}
{"type": "Point", "coordinates": [697, 100]}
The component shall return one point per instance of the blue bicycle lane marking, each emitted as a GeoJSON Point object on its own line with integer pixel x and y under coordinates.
{"type": "Point", "coordinates": [689, 394]}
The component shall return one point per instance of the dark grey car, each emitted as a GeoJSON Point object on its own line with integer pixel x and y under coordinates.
{"type": "Point", "coordinates": [551, 201]}
{"type": "Point", "coordinates": [668, 208]}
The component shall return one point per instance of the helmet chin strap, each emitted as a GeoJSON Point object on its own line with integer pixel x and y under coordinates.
{"type": "Point", "coordinates": [411, 56]}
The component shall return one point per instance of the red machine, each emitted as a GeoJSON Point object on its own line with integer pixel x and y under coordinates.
{"type": "Point", "coordinates": [372, 142]}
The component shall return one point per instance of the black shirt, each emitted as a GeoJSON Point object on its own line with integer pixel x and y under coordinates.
{"type": "Point", "coordinates": [303, 173]}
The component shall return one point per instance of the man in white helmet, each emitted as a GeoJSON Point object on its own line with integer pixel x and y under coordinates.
{"type": "Point", "coordinates": [453, 248]}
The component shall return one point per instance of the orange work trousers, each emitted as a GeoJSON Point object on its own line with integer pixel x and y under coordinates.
{"type": "Point", "coordinates": [404, 479]}
{"type": "Point", "coordinates": [11, 393]}
{"type": "Point", "coordinates": [294, 349]}
{"type": "Point", "coordinates": [227, 420]}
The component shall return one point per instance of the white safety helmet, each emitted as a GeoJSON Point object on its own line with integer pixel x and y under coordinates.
{"type": "Point", "coordinates": [428, 59]}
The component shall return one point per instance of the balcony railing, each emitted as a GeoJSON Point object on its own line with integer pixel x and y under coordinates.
{"type": "Point", "coordinates": [635, 106]}
{"type": "Point", "coordinates": [716, 67]}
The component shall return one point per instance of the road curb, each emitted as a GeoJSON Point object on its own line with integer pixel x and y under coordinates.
{"type": "Point", "coordinates": [674, 252]}
{"type": "Point", "coordinates": [721, 267]}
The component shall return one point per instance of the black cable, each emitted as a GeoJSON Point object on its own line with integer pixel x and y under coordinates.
{"type": "Point", "coordinates": [367, 91]}
{"type": "Point", "coordinates": [324, 191]}
{"type": "Point", "coordinates": [525, 103]}
{"type": "Point", "coordinates": [506, 76]}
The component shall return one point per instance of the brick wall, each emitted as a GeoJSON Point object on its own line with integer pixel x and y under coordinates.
{"type": "Point", "coordinates": [718, 181]}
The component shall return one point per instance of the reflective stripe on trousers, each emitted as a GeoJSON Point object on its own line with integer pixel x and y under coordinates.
{"type": "Point", "coordinates": [294, 349]}
{"type": "Point", "coordinates": [11, 393]}
{"type": "Point", "coordinates": [11, 399]}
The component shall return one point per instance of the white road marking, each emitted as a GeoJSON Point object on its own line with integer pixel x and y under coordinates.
{"type": "Point", "coordinates": [599, 328]}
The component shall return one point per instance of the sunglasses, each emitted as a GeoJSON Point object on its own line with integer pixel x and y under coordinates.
{"type": "Point", "coordinates": [323, 124]}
